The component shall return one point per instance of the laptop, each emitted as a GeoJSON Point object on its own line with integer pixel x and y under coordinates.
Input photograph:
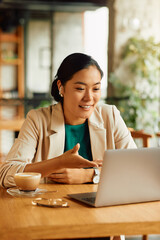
{"type": "Point", "coordinates": [127, 176]}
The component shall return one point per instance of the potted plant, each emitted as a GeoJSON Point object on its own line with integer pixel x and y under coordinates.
{"type": "Point", "coordinates": [137, 81]}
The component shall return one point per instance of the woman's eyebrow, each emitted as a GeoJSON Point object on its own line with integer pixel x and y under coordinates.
{"type": "Point", "coordinates": [97, 83]}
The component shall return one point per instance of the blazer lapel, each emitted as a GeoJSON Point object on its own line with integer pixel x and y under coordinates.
{"type": "Point", "coordinates": [97, 136]}
{"type": "Point", "coordinates": [57, 135]}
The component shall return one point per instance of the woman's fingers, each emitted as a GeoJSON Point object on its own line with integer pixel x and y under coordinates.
{"type": "Point", "coordinates": [69, 176]}
{"type": "Point", "coordinates": [60, 180]}
{"type": "Point", "coordinates": [76, 148]}
{"type": "Point", "coordinates": [85, 162]}
{"type": "Point", "coordinates": [71, 159]}
{"type": "Point", "coordinates": [61, 170]}
{"type": "Point", "coordinates": [90, 164]}
{"type": "Point", "coordinates": [56, 176]}
{"type": "Point", "coordinates": [99, 162]}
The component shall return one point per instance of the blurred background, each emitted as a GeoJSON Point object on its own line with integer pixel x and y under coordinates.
{"type": "Point", "coordinates": [123, 36]}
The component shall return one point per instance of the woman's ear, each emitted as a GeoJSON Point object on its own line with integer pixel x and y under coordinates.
{"type": "Point", "coordinates": [59, 84]}
{"type": "Point", "coordinates": [60, 88]}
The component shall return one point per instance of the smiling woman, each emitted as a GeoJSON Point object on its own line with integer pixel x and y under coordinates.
{"type": "Point", "coordinates": [66, 141]}
{"type": "Point", "coordinates": [81, 94]}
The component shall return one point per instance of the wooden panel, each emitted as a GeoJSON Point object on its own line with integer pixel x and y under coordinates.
{"type": "Point", "coordinates": [18, 63]}
{"type": "Point", "coordinates": [9, 37]}
{"type": "Point", "coordinates": [11, 61]}
{"type": "Point", "coordinates": [14, 124]}
{"type": "Point", "coordinates": [21, 68]}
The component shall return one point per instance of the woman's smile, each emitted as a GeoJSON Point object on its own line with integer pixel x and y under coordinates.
{"type": "Point", "coordinates": [86, 107]}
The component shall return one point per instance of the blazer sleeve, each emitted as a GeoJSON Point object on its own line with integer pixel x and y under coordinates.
{"type": "Point", "coordinates": [22, 151]}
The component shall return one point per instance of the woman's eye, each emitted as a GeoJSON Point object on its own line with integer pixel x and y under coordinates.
{"type": "Point", "coordinates": [96, 89]}
{"type": "Point", "coordinates": [80, 89]}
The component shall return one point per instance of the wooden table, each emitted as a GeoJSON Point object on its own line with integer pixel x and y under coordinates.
{"type": "Point", "coordinates": [19, 219]}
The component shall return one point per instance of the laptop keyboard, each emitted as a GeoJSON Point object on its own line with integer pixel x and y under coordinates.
{"type": "Point", "coordinates": [89, 199]}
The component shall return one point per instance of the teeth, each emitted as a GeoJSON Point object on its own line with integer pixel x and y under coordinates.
{"type": "Point", "coordinates": [85, 107]}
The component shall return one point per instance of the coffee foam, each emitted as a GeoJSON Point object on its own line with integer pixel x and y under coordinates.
{"type": "Point", "coordinates": [27, 181]}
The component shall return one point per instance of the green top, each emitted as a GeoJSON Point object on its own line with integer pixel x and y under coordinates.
{"type": "Point", "coordinates": [78, 134]}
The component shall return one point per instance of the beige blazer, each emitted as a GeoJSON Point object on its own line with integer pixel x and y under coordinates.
{"type": "Point", "coordinates": [42, 137]}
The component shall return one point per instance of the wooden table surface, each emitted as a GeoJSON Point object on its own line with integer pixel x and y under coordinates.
{"type": "Point", "coordinates": [19, 219]}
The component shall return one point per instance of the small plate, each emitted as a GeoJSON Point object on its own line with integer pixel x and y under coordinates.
{"type": "Point", "coordinates": [15, 192]}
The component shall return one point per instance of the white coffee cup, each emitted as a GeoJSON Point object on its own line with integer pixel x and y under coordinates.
{"type": "Point", "coordinates": [27, 181]}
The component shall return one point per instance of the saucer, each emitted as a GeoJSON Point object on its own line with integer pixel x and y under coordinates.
{"type": "Point", "coordinates": [15, 192]}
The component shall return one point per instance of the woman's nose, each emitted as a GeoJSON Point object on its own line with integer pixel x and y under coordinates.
{"type": "Point", "coordinates": [88, 95]}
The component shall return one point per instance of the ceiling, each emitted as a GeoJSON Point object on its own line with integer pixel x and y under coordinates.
{"type": "Point", "coordinates": [52, 5]}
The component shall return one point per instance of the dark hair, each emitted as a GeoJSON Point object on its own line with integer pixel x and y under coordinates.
{"type": "Point", "coordinates": [69, 66]}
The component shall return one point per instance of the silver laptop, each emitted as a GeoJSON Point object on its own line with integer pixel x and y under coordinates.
{"type": "Point", "coordinates": [127, 176]}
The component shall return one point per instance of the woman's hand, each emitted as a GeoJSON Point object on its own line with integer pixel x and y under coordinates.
{"type": "Point", "coordinates": [69, 159]}
{"type": "Point", "coordinates": [72, 176]}
{"type": "Point", "coordinates": [98, 162]}
{"type": "Point", "coordinates": [72, 159]}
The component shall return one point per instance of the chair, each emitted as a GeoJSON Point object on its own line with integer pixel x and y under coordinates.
{"type": "Point", "coordinates": [158, 136]}
{"type": "Point", "coordinates": [140, 134]}
{"type": "Point", "coordinates": [145, 137]}
{"type": "Point", "coordinates": [145, 237]}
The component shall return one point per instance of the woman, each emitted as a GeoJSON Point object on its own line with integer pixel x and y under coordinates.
{"type": "Point", "coordinates": [58, 141]}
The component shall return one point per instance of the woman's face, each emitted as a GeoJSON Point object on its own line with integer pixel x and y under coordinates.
{"type": "Point", "coordinates": [80, 95]}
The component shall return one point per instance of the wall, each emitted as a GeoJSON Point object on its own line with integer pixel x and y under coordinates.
{"type": "Point", "coordinates": [38, 56]}
{"type": "Point", "coordinates": [67, 36]}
